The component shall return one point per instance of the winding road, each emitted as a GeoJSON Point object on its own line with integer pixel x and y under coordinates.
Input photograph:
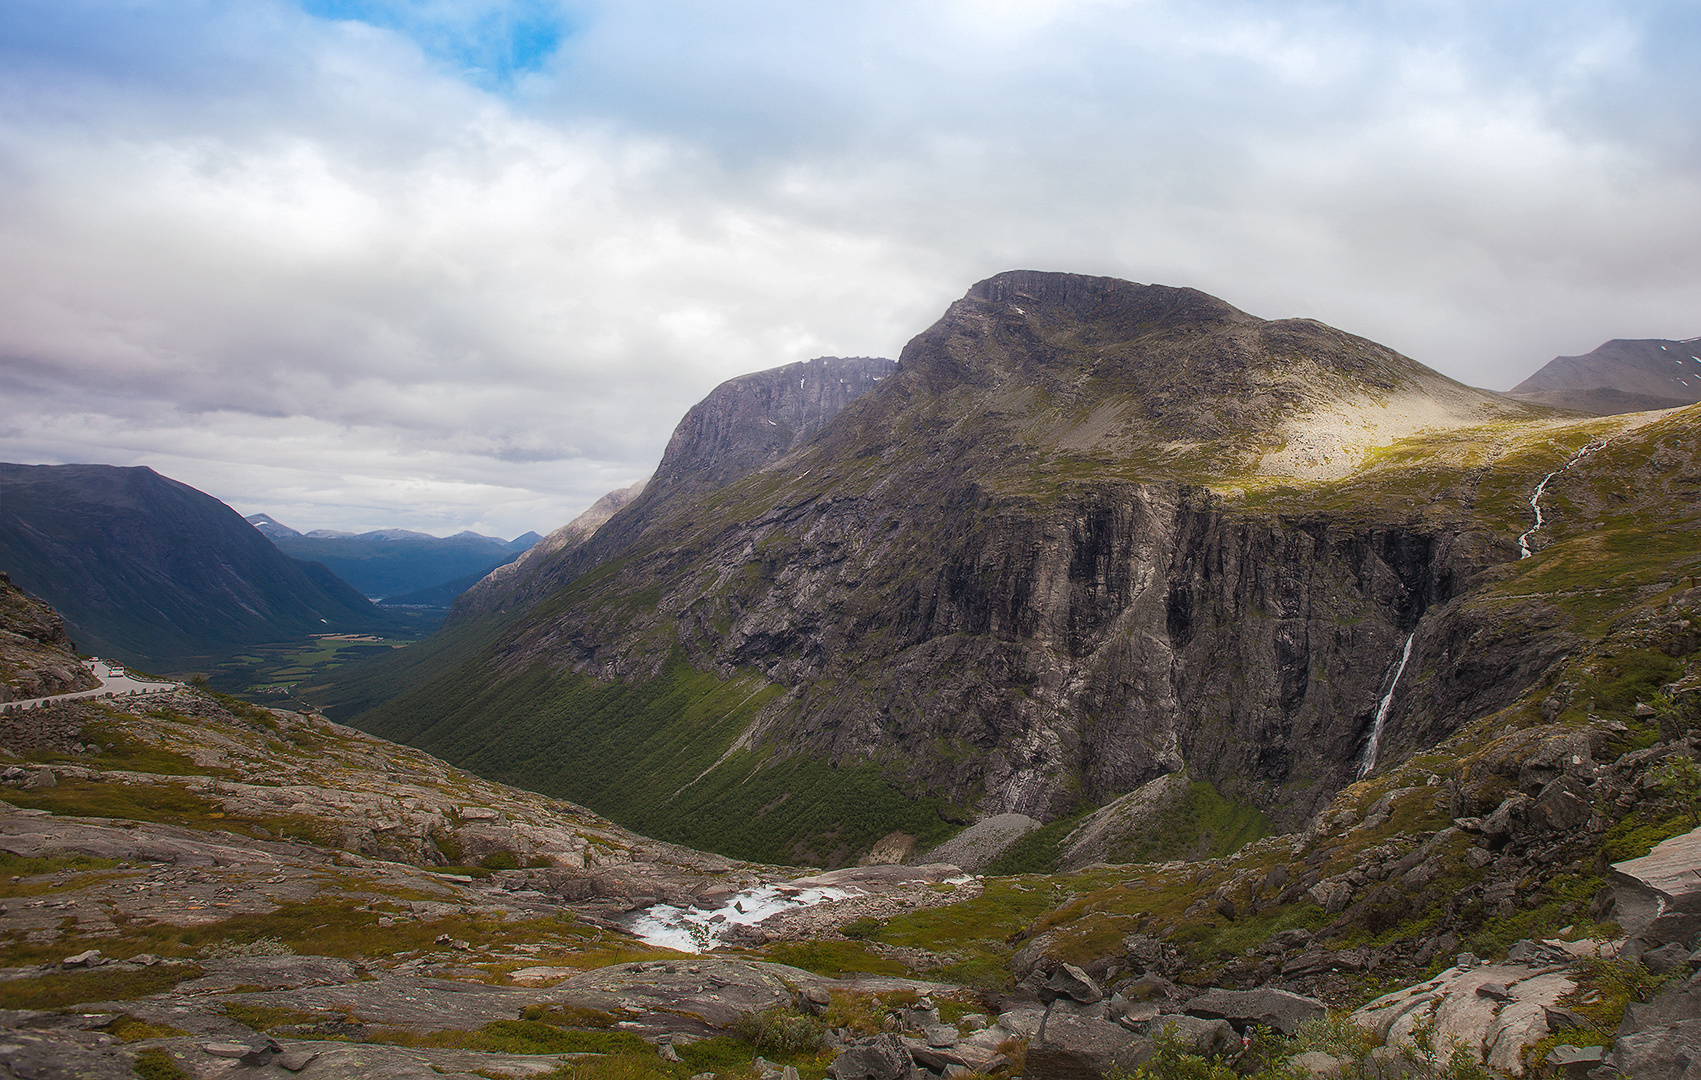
{"type": "Point", "coordinates": [114, 682]}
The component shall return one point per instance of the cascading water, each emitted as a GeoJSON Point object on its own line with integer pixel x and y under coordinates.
{"type": "Point", "coordinates": [1524, 551]}
{"type": "Point", "coordinates": [1369, 761]}
{"type": "Point", "coordinates": [694, 929]}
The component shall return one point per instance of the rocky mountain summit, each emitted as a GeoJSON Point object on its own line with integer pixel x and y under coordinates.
{"type": "Point", "coordinates": [1087, 534]}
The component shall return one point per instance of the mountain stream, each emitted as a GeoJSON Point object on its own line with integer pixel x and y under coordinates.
{"type": "Point", "coordinates": [698, 929]}
{"type": "Point", "coordinates": [1524, 551]}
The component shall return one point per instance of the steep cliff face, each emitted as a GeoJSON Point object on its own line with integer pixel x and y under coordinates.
{"type": "Point", "coordinates": [748, 422]}
{"type": "Point", "coordinates": [743, 425]}
{"type": "Point", "coordinates": [1088, 533]}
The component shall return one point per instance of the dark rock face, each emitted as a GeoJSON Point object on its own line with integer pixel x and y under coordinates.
{"type": "Point", "coordinates": [752, 420]}
{"type": "Point", "coordinates": [36, 657]}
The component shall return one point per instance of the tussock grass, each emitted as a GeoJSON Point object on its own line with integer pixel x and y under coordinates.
{"type": "Point", "coordinates": [62, 989]}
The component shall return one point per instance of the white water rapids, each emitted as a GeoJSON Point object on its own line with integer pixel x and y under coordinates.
{"type": "Point", "coordinates": [695, 929]}
{"type": "Point", "coordinates": [1369, 761]}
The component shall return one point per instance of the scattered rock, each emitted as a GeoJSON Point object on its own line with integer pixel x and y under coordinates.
{"type": "Point", "coordinates": [880, 1058]}
{"type": "Point", "coordinates": [226, 1049]}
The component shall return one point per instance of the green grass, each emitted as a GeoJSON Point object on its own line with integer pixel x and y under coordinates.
{"type": "Point", "coordinates": [834, 959]}
{"type": "Point", "coordinates": [156, 1063]}
{"type": "Point", "coordinates": [637, 753]}
{"type": "Point", "coordinates": [518, 1037]}
{"type": "Point", "coordinates": [62, 989]}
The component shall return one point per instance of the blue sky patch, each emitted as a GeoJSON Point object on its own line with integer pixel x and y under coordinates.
{"type": "Point", "coordinates": [490, 43]}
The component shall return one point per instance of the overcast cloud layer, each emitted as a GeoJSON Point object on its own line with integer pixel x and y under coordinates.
{"type": "Point", "coordinates": [446, 265]}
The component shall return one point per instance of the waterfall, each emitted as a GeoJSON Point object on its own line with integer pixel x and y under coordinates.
{"type": "Point", "coordinates": [1536, 505]}
{"type": "Point", "coordinates": [1369, 761]}
{"type": "Point", "coordinates": [1524, 551]}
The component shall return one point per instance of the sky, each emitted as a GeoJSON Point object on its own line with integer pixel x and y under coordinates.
{"type": "Point", "coordinates": [463, 264]}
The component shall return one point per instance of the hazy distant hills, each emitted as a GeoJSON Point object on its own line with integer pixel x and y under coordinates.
{"type": "Point", "coordinates": [1622, 376]}
{"type": "Point", "coordinates": [396, 565]}
{"type": "Point", "coordinates": [157, 573]}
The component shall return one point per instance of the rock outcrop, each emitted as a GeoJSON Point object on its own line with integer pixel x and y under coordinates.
{"type": "Point", "coordinates": [36, 655]}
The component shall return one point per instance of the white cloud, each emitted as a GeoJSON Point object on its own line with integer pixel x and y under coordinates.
{"type": "Point", "coordinates": [315, 267]}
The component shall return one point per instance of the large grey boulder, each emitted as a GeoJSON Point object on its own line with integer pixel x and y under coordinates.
{"type": "Point", "coordinates": [1267, 1006]}
{"type": "Point", "coordinates": [1071, 982]}
{"type": "Point", "coordinates": [882, 1058]}
{"type": "Point", "coordinates": [1668, 1053]}
{"type": "Point", "coordinates": [1081, 1044]}
{"type": "Point", "coordinates": [1658, 897]}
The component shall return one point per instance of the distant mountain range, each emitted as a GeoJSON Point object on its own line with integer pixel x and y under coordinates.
{"type": "Point", "coordinates": [396, 566]}
{"type": "Point", "coordinates": [158, 574]}
{"type": "Point", "coordinates": [1622, 376]}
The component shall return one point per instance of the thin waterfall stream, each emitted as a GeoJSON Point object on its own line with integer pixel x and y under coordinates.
{"type": "Point", "coordinates": [1369, 761]}
{"type": "Point", "coordinates": [1524, 551]}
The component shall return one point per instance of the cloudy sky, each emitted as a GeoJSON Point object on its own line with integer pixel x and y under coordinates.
{"type": "Point", "coordinates": [446, 264]}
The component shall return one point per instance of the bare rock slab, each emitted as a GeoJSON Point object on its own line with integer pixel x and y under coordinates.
{"type": "Point", "coordinates": [1267, 1006]}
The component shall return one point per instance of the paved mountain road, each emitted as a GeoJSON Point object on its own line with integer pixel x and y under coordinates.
{"type": "Point", "coordinates": [114, 682]}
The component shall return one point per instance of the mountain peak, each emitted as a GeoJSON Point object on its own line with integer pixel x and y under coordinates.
{"type": "Point", "coordinates": [1623, 375]}
{"type": "Point", "coordinates": [1095, 366]}
{"type": "Point", "coordinates": [270, 526]}
{"type": "Point", "coordinates": [1090, 297]}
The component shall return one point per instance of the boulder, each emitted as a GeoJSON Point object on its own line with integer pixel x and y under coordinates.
{"type": "Point", "coordinates": [1032, 956]}
{"type": "Point", "coordinates": [1024, 1021]}
{"type": "Point", "coordinates": [1075, 1045]}
{"type": "Point", "coordinates": [1070, 981]}
{"type": "Point", "coordinates": [1491, 1029]}
{"type": "Point", "coordinates": [962, 1055]}
{"type": "Point", "coordinates": [1575, 1061]}
{"type": "Point", "coordinates": [1267, 1006]}
{"type": "Point", "coordinates": [883, 1057]}
{"type": "Point", "coordinates": [1668, 1053]}
{"type": "Point", "coordinates": [1670, 957]}
{"type": "Point", "coordinates": [1657, 898]}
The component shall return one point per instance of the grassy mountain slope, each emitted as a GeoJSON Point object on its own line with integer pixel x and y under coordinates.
{"type": "Point", "coordinates": [157, 573]}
